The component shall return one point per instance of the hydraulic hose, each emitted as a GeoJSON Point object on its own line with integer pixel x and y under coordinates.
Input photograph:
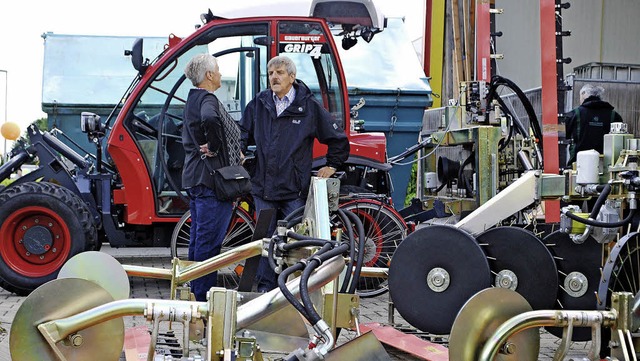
{"type": "Point", "coordinates": [312, 316]}
{"type": "Point", "coordinates": [497, 80]}
{"type": "Point", "coordinates": [600, 201]}
{"type": "Point", "coordinates": [315, 262]}
{"type": "Point", "coordinates": [352, 250]}
{"type": "Point", "coordinates": [593, 223]}
{"type": "Point", "coordinates": [361, 244]}
{"type": "Point", "coordinates": [302, 237]}
{"type": "Point", "coordinates": [606, 189]}
{"type": "Point", "coordinates": [305, 243]}
{"type": "Point", "coordinates": [282, 284]}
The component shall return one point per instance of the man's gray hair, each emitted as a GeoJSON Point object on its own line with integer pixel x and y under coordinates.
{"type": "Point", "coordinates": [198, 67]}
{"type": "Point", "coordinates": [281, 60]}
{"type": "Point", "coordinates": [590, 90]}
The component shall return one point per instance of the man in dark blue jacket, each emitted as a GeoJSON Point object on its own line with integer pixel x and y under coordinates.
{"type": "Point", "coordinates": [587, 124]}
{"type": "Point", "coordinates": [283, 123]}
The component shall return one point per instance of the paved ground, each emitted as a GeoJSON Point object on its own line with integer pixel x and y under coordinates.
{"type": "Point", "coordinates": [372, 310]}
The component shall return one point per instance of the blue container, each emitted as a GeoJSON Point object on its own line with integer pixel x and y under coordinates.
{"type": "Point", "coordinates": [87, 73]}
{"type": "Point", "coordinates": [388, 75]}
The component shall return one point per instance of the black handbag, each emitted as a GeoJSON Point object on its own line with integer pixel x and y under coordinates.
{"type": "Point", "coordinates": [231, 182]}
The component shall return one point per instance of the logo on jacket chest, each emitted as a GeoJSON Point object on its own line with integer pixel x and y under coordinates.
{"type": "Point", "coordinates": [296, 121]}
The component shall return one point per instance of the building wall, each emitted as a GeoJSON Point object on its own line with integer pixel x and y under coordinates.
{"type": "Point", "coordinates": [602, 31]}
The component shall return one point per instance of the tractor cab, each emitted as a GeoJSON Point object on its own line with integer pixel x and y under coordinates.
{"type": "Point", "coordinates": [145, 141]}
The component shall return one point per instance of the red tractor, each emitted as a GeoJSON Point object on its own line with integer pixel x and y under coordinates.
{"type": "Point", "coordinates": [128, 192]}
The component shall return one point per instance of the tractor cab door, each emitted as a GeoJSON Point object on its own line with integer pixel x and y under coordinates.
{"type": "Point", "coordinates": [242, 48]}
{"type": "Point", "coordinates": [156, 120]}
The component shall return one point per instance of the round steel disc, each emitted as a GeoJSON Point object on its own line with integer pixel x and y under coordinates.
{"type": "Point", "coordinates": [520, 252]}
{"type": "Point", "coordinates": [58, 299]}
{"type": "Point", "coordinates": [481, 316]}
{"type": "Point", "coordinates": [434, 271]}
{"type": "Point", "coordinates": [580, 262]}
{"type": "Point", "coordinates": [100, 268]}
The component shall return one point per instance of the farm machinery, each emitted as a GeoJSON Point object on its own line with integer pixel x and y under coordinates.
{"type": "Point", "coordinates": [471, 284]}
{"type": "Point", "coordinates": [127, 192]}
{"type": "Point", "coordinates": [480, 224]}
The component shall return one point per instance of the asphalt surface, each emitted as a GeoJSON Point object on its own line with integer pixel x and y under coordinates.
{"type": "Point", "coordinates": [372, 310]}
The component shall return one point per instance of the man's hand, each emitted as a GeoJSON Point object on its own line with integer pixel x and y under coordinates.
{"type": "Point", "coordinates": [326, 172]}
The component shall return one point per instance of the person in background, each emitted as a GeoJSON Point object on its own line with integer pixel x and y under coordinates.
{"type": "Point", "coordinates": [283, 122]}
{"type": "Point", "coordinates": [203, 139]}
{"type": "Point", "coordinates": [587, 124]}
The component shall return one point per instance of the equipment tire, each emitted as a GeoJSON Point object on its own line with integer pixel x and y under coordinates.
{"type": "Point", "coordinates": [42, 225]}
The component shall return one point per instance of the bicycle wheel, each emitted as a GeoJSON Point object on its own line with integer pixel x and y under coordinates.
{"type": "Point", "coordinates": [239, 232]}
{"type": "Point", "coordinates": [384, 230]}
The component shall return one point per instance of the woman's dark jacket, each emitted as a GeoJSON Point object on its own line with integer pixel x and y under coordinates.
{"type": "Point", "coordinates": [201, 114]}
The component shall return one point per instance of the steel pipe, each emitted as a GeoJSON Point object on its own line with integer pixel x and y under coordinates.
{"type": "Point", "coordinates": [274, 300]}
{"type": "Point", "coordinates": [57, 330]}
{"type": "Point", "coordinates": [543, 318]}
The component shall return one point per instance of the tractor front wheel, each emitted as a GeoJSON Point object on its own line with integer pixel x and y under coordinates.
{"type": "Point", "coordinates": [42, 225]}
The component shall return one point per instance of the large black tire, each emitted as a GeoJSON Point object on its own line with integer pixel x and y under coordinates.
{"type": "Point", "coordinates": [42, 225]}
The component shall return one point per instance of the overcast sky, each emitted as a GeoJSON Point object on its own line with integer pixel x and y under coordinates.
{"type": "Point", "coordinates": [23, 22]}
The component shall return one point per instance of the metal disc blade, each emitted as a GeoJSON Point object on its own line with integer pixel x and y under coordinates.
{"type": "Point", "coordinates": [100, 268]}
{"type": "Point", "coordinates": [434, 271]}
{"type": "Point", "coordinates": [58, 299]}
{"type": "Point", "coordinates": [521, 262]}
{"type": "Point", "coordinates": [578, 275]}
{"type": "Point", "coordinates": [481, 316]}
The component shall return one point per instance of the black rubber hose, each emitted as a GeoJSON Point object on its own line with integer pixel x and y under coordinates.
{"type": "Point", "coordinates": [282, 284]}
{"type": "Point", "coordinates": [600, 201]}
{"type": "Point", "coordinates": [361, 244]}
{"type": "Point", "coordinates": [316, 260]}
{"type": "Point", "coordinates": [313, 263]}
{"type": "Point", "coordinates": [302, 237]}
{"type": "Point", "coordinates": [602, 224]}
{"type": "Point", "coordinates": [516, 122]}
{"type": "Point", "coordinates": [497, 80]}
{"type": "Point", "coordinates": [305, 243]}
{"type": "Point", "coordinates": [352, 250]}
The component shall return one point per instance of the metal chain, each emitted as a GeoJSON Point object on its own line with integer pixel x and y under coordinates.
{"type": "Point", "coordinates": [394, 112]}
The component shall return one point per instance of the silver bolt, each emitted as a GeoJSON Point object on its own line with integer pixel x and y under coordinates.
{"type": "Point", "coordinates": [53, 250]}
{"type": "Point", "coordinates": [509, 348]}
{"type": "Point", "coordinates": [41, 257]}
{"type": "Point", "coordinates": [36, 220]}
{"type": "Point", "coordinates": [76, 340]}
{"type": "Point", "coordinates": [50, 224]}
{"type": "Point", "coordinates": [28, 254]}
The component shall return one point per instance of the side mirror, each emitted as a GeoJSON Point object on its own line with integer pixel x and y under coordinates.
{"type": "Point", "coordinates": [137, 60]}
